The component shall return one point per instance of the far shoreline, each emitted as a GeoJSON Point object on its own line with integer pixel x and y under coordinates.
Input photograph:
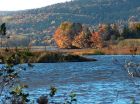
{"type": "Point", "coordinates": [100, 51]}
{"type": "Point", "coordinates": [86, 51]}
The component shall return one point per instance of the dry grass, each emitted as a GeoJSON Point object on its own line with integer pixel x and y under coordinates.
{"type": "Point", "coordinates": [112, 50]}
{"type": "Point", "coordinates": [129, 43]}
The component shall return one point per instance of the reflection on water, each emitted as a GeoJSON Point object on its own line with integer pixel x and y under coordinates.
{"type": "Point", "coordinates": [99, 82]}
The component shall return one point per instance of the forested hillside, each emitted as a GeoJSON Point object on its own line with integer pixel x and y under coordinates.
{"type": "Point", "coordinates": [44, 21]}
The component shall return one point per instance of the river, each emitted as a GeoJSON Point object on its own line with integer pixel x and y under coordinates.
{"type": "Point", "coordinates": [100, 82]}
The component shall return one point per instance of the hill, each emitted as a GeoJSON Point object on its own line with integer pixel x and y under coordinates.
{"type": "Point", "coordinates": [43, 21]}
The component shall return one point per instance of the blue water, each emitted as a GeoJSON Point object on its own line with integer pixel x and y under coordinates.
{"type": "Point", "coordinates": [100, 82]}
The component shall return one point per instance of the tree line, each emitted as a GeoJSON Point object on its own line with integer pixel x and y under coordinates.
{"type": "Point", "coordinates": [77, 35]}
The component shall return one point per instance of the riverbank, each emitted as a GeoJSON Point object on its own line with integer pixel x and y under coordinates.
{"type": "Point", "coordinates": [42, 56]}
{"type": "Point", "coordinates": [102, 51]}
{"type": "Point", "coordinates": [54, 57]}
{"type": "Point", "coordinates": [70, 55]}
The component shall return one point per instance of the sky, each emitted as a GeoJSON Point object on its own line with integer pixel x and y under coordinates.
{"type": "Point", "coordinates": [13, 5]}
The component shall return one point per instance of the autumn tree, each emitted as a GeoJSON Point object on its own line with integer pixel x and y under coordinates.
{"type": "Point", "coordinates": [97, 39]}
{"type": "Point", "coordinates": [72, 35]}
{"type": "Point", "coordinates": [105, 30]}
{"type": "Point", "coordinates": [62, 39]}
{"type": "Point", "coordinates": [109, 31]}
{"type": "Point", "coordinates": [83, 39]}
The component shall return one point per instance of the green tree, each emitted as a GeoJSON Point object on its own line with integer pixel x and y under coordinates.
{"type": "Point", "coordinates": [2, 31]}
{"type": "Point", "coordinates": [126, 33]}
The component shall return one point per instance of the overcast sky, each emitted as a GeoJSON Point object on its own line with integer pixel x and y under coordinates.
{"type": "Point", "coordinates": [10, 5]}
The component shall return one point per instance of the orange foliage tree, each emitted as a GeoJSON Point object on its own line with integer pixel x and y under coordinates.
{"type": "Point", "coordinates": [72, 35]}
{"type": "Point", "coordinates": [97, 39]}
{"type": "Point", "coordinates": [61, 39]}
{"type": "Point", "coordinates": [82, 41]}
